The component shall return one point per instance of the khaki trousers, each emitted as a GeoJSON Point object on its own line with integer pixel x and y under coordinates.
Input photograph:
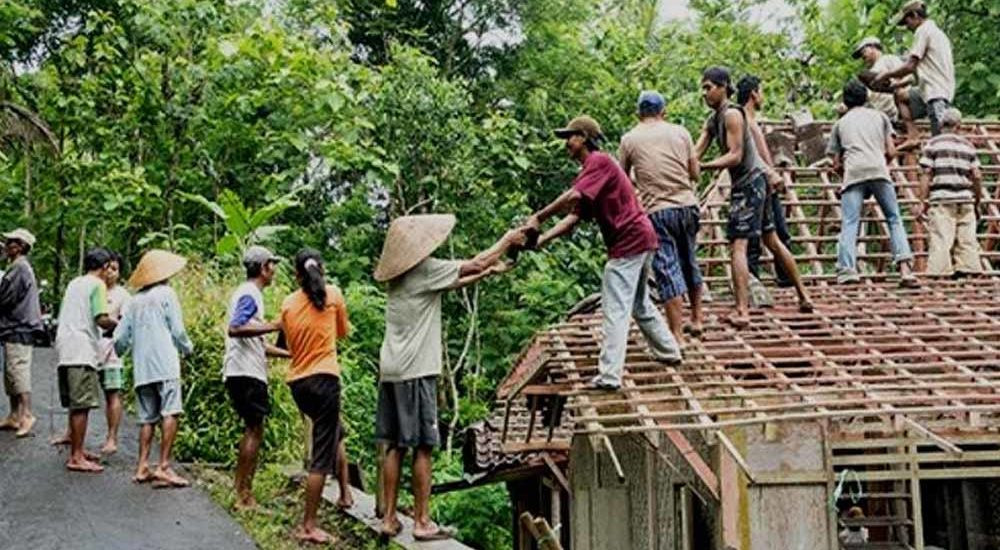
{"type": "Point", "coordinates": [952, 245]}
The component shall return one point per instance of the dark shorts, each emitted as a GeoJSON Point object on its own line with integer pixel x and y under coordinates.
{"type": "Point", "coordinates": [748, 216]}
{"type": "Point", "coordinates": [932, 110]}
{"type": "Point", "coordinates": [318, 397]}
{"type": "Point", "coordinates": [250, 399]}
{"type": "Point", "coordinates": [675, 262]}
{"type": "Point", "coordinates": [79, 387]}
{"type": "Point", "coordinates": [407, 413]}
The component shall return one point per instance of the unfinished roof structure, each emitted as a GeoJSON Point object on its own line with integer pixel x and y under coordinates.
{"type": "Point", "coordinates": [884, 398]}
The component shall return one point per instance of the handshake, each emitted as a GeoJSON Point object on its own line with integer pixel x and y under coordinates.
{"type": "Point", "coordinates": [524, 237]}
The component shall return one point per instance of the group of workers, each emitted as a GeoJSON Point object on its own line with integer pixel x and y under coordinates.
{"type": "Point", "coordinates": [645, 204]}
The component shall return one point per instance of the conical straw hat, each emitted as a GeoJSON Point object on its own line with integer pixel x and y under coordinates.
{"type": "Point", "coordinates": [154, 267]}
{"type": "Point", "coordinates": [409, 241]}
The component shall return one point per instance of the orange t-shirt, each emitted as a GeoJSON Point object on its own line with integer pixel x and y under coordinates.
{"type": "Point", "coordinates": [312, 334]}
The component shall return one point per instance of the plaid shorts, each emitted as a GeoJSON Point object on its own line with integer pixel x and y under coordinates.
{"type": "Point", "coordinates": [112, 378]}
{"type": "Point", "coordinates": [675, 261]}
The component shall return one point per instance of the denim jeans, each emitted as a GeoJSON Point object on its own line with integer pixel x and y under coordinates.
{"type": "Point", "coordinates": [624, 294]}
{"type": "Point", "coordinates": [852, 202]}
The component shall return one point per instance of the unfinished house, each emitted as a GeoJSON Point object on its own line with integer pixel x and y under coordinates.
{"type": "Point", "coordinates": [870, 423]}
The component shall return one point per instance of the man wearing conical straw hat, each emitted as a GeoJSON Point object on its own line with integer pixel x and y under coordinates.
{"type": "Point", "coordinates": [603, 192]}
{"type": "Point", "coordinates": [154, 330]}
{"type": "Point", "coordinates": [410, 361]}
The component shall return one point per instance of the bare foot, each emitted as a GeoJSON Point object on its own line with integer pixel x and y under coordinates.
{"type": "Point", "coordinates": [84, 465]}
{"type": "Point", "coordinates": [390, 529]}
{"type": "Point", "coordinates": [314, 535]}
{"type": "Point", "coordinates": [60, 439]}
{"type": "Point", "coordinates": [26, 425]}
{"type": "Point", "coordinates": [167, 476]}
{"type": "Point", "coordinates": [91, 456]}
{"type": "Point", "coordinates": [345, 503]}
{"type": "Point", "coordinates": [694, 329]}
{"type": "Point", "coordinates": [805, 306]}
{"type": "Point", "coordinates": [245, 502]}
{"type": "Point", "coordinates": [739, 322]}
{"type": "Point", "coordinates": [9, 423]}
{"type": "Point", "coordinates": [109, 448]}
{"type": "Point", "coordinates": [433, 532]}
{"type": "Point", "coordinates": [142, 475]}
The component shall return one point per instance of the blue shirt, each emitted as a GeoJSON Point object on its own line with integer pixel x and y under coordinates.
{"type": "Point", "coordinates": [154, 329]}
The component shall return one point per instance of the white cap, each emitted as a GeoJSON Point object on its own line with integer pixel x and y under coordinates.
{"type": "Point", "coordinates": [22, 235]}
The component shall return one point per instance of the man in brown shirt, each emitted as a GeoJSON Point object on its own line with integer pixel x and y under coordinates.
{"type": "Point", "coordinates": [660, 159]}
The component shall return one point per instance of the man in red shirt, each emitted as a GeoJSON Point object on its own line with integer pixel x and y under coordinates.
{"type": "Point", "coordinates": [603, 192]}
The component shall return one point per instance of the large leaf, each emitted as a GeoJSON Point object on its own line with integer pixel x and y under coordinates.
{"type": "Point", "coordinates": [266, 232]}
{"type": "Point", "coordinates": [227, 245]}
{"type": "Point", "coordinates": [264, 214]}
{"type": "Point", "coordinates": [211, 205]}
{"type": "Point", "coordinates": [237, 217]}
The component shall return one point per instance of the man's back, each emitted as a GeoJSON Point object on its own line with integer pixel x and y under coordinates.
{"type": "Point", "coordinates": [78, 334]}
{"type": "Point", "coordinates": [658, 154]}
{"type": "Point", "coordinates": [860, 136]}
{"type": "Point", "coordinates": [951, 160]}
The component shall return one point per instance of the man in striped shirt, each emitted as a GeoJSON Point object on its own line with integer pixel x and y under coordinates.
{"type": "Point", "coordinates": [952, 184]}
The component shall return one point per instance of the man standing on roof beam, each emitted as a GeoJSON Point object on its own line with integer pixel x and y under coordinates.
{"type": "Point", "coordinates": [751, 98]}
{"type": "Point", "coordinates": [930, 58]}
{"type": "Point", "coordinates": [602, 192]}
{"type": "Point", "coordinates": [860, 145]}
{"type": "Point", "coordinates": [660, 158]}
{"type": "Point", "coordinates": [748, 217]}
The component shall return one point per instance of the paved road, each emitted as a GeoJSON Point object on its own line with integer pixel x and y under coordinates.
{"type": "Point", "coordinates": [42, 506]}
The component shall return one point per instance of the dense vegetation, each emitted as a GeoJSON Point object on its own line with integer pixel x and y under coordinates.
{"type": "Point", "coordinates": [200, 125]}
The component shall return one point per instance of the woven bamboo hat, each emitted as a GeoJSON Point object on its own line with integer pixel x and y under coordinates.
{"type": "Point", "coordinates": [409, 241]}
{"type": "Point", "coordinates": [156, 266]}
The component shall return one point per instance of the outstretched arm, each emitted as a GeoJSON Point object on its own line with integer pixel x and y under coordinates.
{"type": "Point", "coordinates": [564, 203]}
{"type": "Point", "coordinates": [564, 226]}
{"type": "Point", "coordinates": [488, 257]}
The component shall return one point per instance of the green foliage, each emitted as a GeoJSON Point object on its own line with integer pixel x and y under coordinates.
{"type": "Point", "coordinates": [203, 126]}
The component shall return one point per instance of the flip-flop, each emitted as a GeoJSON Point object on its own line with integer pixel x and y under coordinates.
{"type": "Point", "coordinates": [25, 430]}
{"type": "Point", "coordinates": [8, 424]}
{"type": "Point", "coordinates": [140, 480]}
{"type": "Point", "coordinates": [442, 533]}
{"type": "Point", "coordinates": [390, 533]}
{"type": "Point", "coordinates": [327, 538]}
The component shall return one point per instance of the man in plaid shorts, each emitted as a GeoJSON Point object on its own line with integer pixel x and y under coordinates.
{"type": "Point", "coordinates": [660, 159]}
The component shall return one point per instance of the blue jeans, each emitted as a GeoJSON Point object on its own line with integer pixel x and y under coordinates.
{"type": "Point", "coordinates": [852, 202]}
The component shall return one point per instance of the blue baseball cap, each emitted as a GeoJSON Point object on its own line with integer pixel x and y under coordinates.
{"type": "Point", "coordinates": [650, 102]}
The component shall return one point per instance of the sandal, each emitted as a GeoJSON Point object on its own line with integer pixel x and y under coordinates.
{"type": "Point", "coordinates": [439, 533]}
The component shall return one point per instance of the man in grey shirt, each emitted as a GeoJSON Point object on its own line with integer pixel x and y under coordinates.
{"type": "Point", "coordinates": [20, 320]}
{"type": "Point", "coordinates": [411, 356]}
{"type": "Point", "coordinates": [860, 144]}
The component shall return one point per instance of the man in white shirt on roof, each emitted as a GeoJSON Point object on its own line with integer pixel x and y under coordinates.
{"type": "Point", "coordinates": [872, 53]}
{"type": "Point", "coordinates": [930, 58]}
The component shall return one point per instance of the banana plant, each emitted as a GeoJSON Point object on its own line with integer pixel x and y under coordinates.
{"type": "Point", "coordinates": [244, 226]}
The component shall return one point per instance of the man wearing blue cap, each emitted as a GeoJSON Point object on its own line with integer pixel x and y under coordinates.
{"type": "Point", "coordinates": [660, 159]}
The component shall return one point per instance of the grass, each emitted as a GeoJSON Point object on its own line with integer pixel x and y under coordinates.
{"type": "Point", "coordinates": [280, 510]}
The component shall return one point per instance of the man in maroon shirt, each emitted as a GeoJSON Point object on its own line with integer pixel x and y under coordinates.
{"type": "Point", "coordinates": [602, 192]}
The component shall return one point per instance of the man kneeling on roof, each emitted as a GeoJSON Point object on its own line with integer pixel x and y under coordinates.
{"type": "Point", "coordinates": [603, 192]}
{"type": "Point", "coordinates": [410, 362]}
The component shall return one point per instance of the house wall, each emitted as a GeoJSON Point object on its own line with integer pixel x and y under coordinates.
{"type": "Point", "coordinates": [791, 517]}
{"type": "Point", "coordinates": [639, 513]}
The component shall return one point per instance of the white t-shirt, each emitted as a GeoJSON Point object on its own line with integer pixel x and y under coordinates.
{"type": "Point", "coordinates": [412, 345]}
{"type": "Point", "coordinates": [78, 336]}
{"type": "Point", "coordinates": [245, 356]}
{"type": "Point", "coordinates": [879, 101]}
{"type": "Point", "coordinates": [936, 70]}
{"type": "Point", "coordinates": [118, 299]}
{"type": "Point", "coordinates": [860, 135]}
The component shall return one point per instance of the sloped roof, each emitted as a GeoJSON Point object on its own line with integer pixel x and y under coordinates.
{"type": "Point", "coordinates": [871, 354]}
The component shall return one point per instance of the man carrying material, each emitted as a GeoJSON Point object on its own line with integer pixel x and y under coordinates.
{"type": "Point", "coordinates": [748, 217]}
{"type": "Point", "coordinates": [601, 191]}
{"type": "Point", "coordinates": [930, 58]}
{"type": "Point", "coordinates": [154, 329]}
{"type": "Point", "coordinates": [871, 52]}
{"type": "Point", "coordinates": [411, 356]}
{"type": "Point", "coordinates": [20, 319]}
{"type": "Point", "coordinates": [751, 98]}
{"type": "Point", "coordinates": [660, 158]}
{"type": "Point", "coordinates": [860, 144]}
{"type": "Point", "coordinates": [83, 317]}
{"type": "Point", "coordinates": [953, 185]}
